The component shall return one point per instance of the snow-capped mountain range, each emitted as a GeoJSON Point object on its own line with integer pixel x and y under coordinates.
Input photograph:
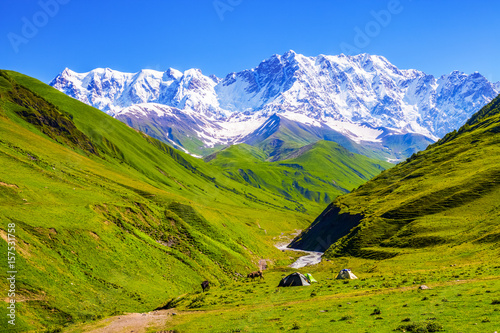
{"type": "Point", "coordinates": [363, 97]}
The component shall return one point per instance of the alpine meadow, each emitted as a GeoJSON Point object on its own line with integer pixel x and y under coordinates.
{"type": "Point", "coordinates": [249, 166]}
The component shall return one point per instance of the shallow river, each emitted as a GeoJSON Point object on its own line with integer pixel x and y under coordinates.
{"type": "Point", "coordinates": [312, 258]}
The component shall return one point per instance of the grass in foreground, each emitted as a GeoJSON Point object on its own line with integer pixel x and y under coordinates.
{"type": "Point", "coordinates": [462, 298]}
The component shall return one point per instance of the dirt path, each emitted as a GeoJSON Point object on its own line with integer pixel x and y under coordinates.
{"type": "Point", "coordinates": [132, 322]}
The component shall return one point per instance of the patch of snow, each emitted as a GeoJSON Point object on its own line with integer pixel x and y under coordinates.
{"type": "Point", "coordinates": [145, 109]}
{"type": "Point", "coordinates": [232, 130]}
{"type": "Point", "coordinates": [355, 132]}
{"type": "Point", "coordinates": [301, 118]}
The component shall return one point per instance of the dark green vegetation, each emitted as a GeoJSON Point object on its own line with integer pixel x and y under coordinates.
{"type": "Point", "coordinates": [445, 199]}
{"type": "Point", "coordinates": [317, 172]}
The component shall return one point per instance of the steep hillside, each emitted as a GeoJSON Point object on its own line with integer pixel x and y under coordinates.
{"type": "Point", "coordinates": [109, 219]}
{"type": "Point", "coordinates": [312, 175]}
{"type": "Point", "coordinates": [443, 202]}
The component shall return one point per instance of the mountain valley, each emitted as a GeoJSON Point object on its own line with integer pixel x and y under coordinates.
{"type": "Point", "coordinates": [108, 215]}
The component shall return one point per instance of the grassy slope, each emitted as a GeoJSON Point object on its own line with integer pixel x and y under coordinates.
{"type": "Point", "coordinates": [314, 175]}
{"type": "Point", "coordinates": [443, 202]}
{"type": "Point", "coordinates": [108, 219]}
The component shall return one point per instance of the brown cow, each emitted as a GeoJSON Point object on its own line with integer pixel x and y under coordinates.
{"type": "Point", "coordinates": [255, 274]}
{"type": "Point", "coordinates": [205, 285]}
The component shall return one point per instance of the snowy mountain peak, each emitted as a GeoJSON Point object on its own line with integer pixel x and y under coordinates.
{"type": "Point", "coordinates": [172, 73]}
{"type": "Point", "coordinates": [146, 72]}
{"type": "Point", "coordinates": [353, 95]}
{"type": "Point", "coordinates": [290, 54]}
{"type": "Point", "coordinates": [67, 72]}
{"type": "Point", "coordinates": [215, 78]}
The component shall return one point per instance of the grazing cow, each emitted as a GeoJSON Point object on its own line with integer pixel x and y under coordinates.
{"type": "Point", "coordinates": [255, 274]}
{"type": "Point", "coordinates": [205, 285]}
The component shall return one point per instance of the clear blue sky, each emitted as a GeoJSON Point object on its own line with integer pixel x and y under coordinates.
{"type": "Point", "coordinates": [433, 36]}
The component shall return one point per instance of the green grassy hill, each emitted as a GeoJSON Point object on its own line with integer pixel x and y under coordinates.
{"type": "Point", "coordinates": [110, 220]}
{"type": "Point", "coordinates": [441, 204]}
{"type": "Point", "coordinates": [312, 175]}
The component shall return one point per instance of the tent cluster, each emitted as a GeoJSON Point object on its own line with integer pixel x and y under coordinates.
{"type": "Point", "coordinates": [298, 279]}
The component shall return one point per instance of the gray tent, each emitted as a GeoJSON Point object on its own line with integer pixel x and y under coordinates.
{"type": "Point", "coordinates": [294, 279]}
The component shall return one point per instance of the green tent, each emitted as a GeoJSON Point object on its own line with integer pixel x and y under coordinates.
{"type": "Point", "coordinates": [294, 279]}
{"type": "Point", "coordinates": [310, 278]}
